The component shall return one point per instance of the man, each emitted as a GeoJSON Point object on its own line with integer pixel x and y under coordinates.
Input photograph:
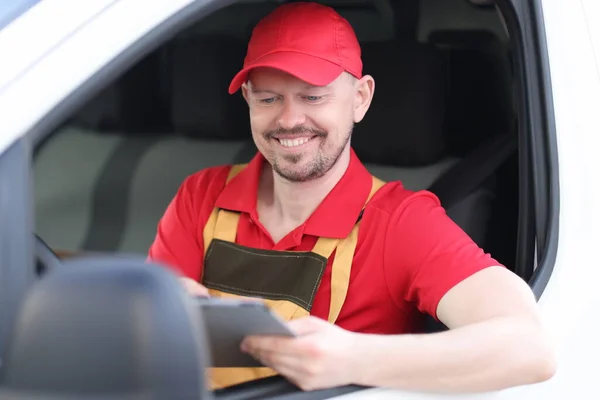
{"type": "Point", "coordinates": [349, 261]}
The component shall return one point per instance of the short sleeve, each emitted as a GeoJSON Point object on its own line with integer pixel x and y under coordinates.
{"type": "Point", "coordinates": [175, 243]}
{"type": "Point", "coordinates": [426, 253]}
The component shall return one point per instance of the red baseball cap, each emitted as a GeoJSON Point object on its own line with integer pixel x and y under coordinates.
{"type": "Point", "coordinates": [307, 40]}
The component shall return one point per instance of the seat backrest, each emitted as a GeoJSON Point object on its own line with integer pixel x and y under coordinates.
{"type": "Point", "coordinates": [419, 129]}
{"type": "Point", "coordinates": [479, 93]}
{"type": "Point", "coordinates": [200, 69]}
{"type": "Point", "coordinates": [480, 127]}
{"type": "Point", "coordinates": [105, 139]}
{"type": "Point", "coordinates": [404, 125]}
{"type": "Point", "coordinates": [210, 127]}
{"type": "Point", "coordinates": [402, 135]}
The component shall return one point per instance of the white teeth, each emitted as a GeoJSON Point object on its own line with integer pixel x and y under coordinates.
{"type": "Point", "coordinates": [293, 142]}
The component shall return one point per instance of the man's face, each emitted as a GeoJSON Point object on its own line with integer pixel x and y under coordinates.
{"type": "Point", "coordinates": [301, 129]}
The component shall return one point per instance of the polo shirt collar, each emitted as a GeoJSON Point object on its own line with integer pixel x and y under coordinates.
{"type": "Point", "coordinates": [334, 217]}
{"type": "Point", "coordinates": [241, 192]}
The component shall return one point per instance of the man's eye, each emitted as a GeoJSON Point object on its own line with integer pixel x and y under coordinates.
{"type": "Point", "coordinates": [313, 98]}
{"type": "Point", "coordinates": [267, 101]}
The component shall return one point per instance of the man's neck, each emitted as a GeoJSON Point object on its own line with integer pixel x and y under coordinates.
{"type": "Point", "coordinates": [291, 203]}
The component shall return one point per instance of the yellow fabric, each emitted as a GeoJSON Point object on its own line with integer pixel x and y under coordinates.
{"type": "Point", "coordinates": [226, 226]}
{"type": "Point", "coordinates": [342, 264]}
{"type": "Point", "coordinates": [325, 246]}
{"type": "Point", "coordinates": [209, 228]}
{"type": "Point", "coordinates": [222, 224]}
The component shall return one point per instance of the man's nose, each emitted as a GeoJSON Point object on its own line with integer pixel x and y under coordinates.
{"type": "Point", "coordinates": [291, 115]}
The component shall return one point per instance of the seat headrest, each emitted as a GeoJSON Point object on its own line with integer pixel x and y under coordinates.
{"type": "Point", "coordinates": [405, 123]}
{"type": "Point", "coordinates": [202, 68]}
{"type": "Point", "coordinates": [479, 90]}
{"type": "Point", "coordinates": [133, 105]}
{"type": "Point", "coordinates": [112, 328]}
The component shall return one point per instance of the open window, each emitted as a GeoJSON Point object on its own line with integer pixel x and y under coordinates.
{"type": "Point", "coordinates": [460, 108]}
{"type": "Point", "coordinates": [445, 103]}
{"type": "Point", "coordinates": [449, 115]}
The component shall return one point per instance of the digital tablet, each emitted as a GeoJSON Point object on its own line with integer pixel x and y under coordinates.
{"type": "Point", "coordinates": [227, 322]}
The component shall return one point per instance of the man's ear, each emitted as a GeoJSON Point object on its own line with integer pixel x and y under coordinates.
{"type": "Point", "coordinates": [245, 92]}
{"type": "Point", "coordinates": [364, 91]}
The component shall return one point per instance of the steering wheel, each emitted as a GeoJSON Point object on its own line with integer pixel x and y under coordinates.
{"type": "Point", "coordinates": [45, 258]}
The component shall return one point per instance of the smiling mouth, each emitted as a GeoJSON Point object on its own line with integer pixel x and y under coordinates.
{"type": "Point", "coordinates": [294, 142]}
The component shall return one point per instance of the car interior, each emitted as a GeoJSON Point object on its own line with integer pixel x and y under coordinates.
{"type": "Point", "coordinates": [443, 118]}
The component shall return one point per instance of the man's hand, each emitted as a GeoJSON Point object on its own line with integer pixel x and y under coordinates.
{"type": "Point", "coordinates": [194, 288]}
{"type": "Point", "coordinates": [320, 357]}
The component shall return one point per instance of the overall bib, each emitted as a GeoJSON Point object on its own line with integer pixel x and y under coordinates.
{"type": "Point", "coordinates": [285, 280]}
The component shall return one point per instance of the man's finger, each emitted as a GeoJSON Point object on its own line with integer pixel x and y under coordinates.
{"type": "Point", "coordinates": [300, 371]}
{"type": "Point", "coordinates": [194, 288]}
{"type": "Point", "coordinates": [308, 325]}
{"type": "Point", "coordinates": [275, 344]}
{"type": "Point", "coordinates": [285, 364]}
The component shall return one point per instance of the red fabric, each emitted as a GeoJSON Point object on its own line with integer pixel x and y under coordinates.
{"type": "Point", "coordinates": [409, 253]}
{"type": "Point", "coordinates": [308, 40]}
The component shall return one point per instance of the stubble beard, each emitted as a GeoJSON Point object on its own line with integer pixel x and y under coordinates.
{"type": "Point", "coordinates": [316, 168]}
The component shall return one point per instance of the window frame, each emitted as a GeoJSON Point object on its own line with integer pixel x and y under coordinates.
{"type": "Point", "coordinates": [16, 243]}
{"type": "Point", "coordinates": [538, 152]}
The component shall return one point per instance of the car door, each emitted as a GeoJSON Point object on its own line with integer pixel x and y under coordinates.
{"type": "Point", "coordinates": [56, 49]}
{"type": "Point", "coordinates": [72, 60]}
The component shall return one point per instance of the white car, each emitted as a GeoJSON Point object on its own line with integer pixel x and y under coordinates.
{"type": "Point", "coordinates": [107, 105]}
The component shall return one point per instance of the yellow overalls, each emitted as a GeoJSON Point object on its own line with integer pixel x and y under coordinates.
{"type": "Point", "coordinates": [288, 280]}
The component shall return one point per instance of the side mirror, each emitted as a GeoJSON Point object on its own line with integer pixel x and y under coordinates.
{"type": "Point", "coordinates": [111, 328]}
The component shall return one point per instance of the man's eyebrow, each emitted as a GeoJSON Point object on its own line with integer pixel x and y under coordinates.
{"type": "Point", "coordinates": [308, 86]}
{"type": "Point", "coordinates": [254, 89]}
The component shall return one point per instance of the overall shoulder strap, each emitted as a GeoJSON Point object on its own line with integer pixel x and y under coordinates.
{"type": "Point", "coordinates": [342, 263]}
{"type": "Point", "coordinates": [221, 220]}
{"type": "Point", "coordinates": [235, 169]}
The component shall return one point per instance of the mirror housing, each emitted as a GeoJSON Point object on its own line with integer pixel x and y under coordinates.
{"type": "Point", "coordinates": [106, 327]}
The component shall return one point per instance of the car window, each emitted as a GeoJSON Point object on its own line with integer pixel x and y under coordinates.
{"type": "Point", "coordinates": [11, 10]}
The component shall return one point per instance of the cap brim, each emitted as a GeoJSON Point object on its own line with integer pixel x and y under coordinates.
{"type": "Point", "coordinates": [310, 69]}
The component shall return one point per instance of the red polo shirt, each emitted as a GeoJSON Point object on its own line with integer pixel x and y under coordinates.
{"type": "Point", "coordinates": [409, 252]}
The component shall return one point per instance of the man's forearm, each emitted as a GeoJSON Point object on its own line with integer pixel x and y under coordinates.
{"type": "Point", "coordinates": [486, 356]}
